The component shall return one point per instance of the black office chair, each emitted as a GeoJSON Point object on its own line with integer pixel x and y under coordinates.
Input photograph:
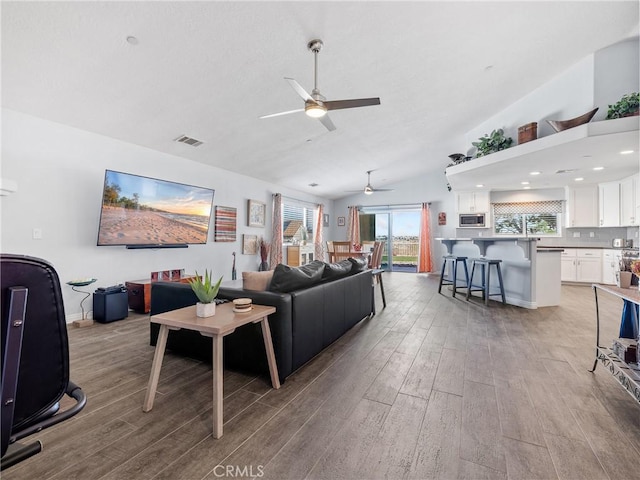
{"type": "Point", "coordinates": [35, 355]}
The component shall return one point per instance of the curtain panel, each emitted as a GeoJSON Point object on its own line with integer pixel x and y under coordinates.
{"type": "Point", "coordinates": [275, 253]}
{"type": "Point", "coordinates": [353, 227]}
{"type": "Point", "coordinates": [318, 239]}
{"type": "Point", "coordinates": [425, 263]}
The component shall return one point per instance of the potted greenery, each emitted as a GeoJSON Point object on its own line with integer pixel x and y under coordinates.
{"type": "Point", "coordinates": [627, 106]}
{"type": "Point", "coordinates": [492, 143]}
{"type": "Point", "coordinates": [206, 291]}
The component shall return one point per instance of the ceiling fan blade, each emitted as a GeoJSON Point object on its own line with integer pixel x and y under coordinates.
{"type": "Point", "coordinates": [298, 88]}
{"type": "Point", "coordinates": [282, 113]}
{"type": "Point", "coordinates": [383, 189]}
{"type": "Point", "coordinates": [326, 121]}
{"type": "Point", "coordinates": [357, 102]}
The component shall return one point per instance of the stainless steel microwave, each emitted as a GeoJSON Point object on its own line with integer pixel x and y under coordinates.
{"type": "Point", "coordinates": [472, 220]}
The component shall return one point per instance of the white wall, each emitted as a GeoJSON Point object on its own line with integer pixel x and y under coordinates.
{"type": "Point", "coordinates": [596, 81]}
{"type": "Point", "coordinates": [59, 171]}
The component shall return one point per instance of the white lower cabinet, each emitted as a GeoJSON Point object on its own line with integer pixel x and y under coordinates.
{"type": "Point", "coordinates": [581, 265]}
{"type": "Point", "coordinates": [610, 261]}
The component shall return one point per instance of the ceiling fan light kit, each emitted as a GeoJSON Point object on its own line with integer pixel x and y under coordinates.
{"type": "Point", "coordinates": [316, 105]}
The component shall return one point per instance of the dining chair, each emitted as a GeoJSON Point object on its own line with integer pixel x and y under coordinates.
{"type": "Point", "coordinates": [375, 263]}
{"type": "Point", "coordinates": [341, 251]}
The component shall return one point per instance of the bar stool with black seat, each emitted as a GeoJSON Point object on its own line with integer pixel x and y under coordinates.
{"type": "Point", "coordinates": [454, 259]}
{"type": "Point", "coordinates": [486, 264]}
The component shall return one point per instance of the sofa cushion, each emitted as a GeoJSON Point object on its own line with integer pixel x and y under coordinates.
{"type": "Point", "coordinates": [287, 279]}
{"type": "Point", "coordinates": [257, 281]}
{"type": "Point", "coordinates": [358, 264]}
{"type": "Point", "coordinates": [333, 271]}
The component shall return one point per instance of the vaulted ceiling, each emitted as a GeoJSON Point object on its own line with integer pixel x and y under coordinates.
{"type": "Point", "coordinates": [210, 69]}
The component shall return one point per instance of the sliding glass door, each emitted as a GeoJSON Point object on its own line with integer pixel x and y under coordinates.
{"type": "Point", "coordinates": [399, 230]}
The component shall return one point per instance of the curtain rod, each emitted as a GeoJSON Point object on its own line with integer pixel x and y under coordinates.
{"type": "Point", "coordinates": [401, 205]}
{"type": "Point", "coordinates": [298, 200]}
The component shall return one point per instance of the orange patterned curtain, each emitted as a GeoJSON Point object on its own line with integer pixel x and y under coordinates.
{"type": "Point", "coordinates": [424, 261]}
{"type": "Point", "coordinates": [353, 227]}
{"type": "Point", "coordinates": [318, 241]}
{"type": "Point", "coordinates": [275, 254]}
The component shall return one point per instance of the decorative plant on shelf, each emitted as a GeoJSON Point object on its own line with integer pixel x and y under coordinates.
{"type": "Point", "coordinates": [492, 143]}
{"type": "Point", "coordinates": [627, 106]}
{"type": "Point", "coordinates": [206, 291]}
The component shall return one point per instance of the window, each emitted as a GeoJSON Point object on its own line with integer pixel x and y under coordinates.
{"type": "Point", "coordinates": [530, 218]}
{"type": "Point", "coordinates": [297, 223]}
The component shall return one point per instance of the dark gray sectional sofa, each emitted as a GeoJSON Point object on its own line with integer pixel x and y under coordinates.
{"type": "Point", "coordinates": [306, 321]}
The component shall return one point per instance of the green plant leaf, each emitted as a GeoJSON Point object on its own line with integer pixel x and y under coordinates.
{"type": "Point", "coordinates": [204, 289]}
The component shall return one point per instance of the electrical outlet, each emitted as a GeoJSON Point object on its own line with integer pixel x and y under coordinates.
{"type": "Point", "coordinates": [37, 234]}
{"type": "Point", "coordinates": [592, 234]}
{"type": "Point", "coordinates": [576, 234]}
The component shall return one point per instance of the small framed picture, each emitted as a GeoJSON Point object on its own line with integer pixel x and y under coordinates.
{"type": "Point", "coordinates": [325, 220]}
{"type": "Point", "coordinates": [249, 244]}
{"type": "Point", "coordinates": [442, 218]}
{"type": "Point", "coordinates": [341, 221]}
{"type": "Point", "coordinates": [256, 213]}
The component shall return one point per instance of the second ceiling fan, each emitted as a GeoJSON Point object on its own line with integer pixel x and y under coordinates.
{"type": "Point", "coordinates": [368, 189]}
{"type": "Point", "coordinates": [315, 104]}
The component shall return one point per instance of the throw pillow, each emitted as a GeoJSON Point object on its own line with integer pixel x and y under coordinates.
{"type": "Point", "coordinates": [258, 281]}
{"type": "Point", "coordinates": [358, 264]}
{"type": "Point", "coordinates": [333, 271]}
{"type": "Point", "coordinates": [287, 279]}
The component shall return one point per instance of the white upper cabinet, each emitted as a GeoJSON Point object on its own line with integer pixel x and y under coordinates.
{"type": "Point", "coordinates": [609, 204]}
{"type": "Point", "coordinates": [472, 202]}
{"type": "Point", "coordinates": [629, 201]}
{"type": "Point", "coordinates": [582, 206]}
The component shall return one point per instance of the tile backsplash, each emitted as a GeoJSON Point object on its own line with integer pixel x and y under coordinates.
{"type": "Point", "coordinates": [578, 237]}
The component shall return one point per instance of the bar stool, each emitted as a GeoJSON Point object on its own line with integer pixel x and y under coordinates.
{"type": "Point", "coordinates": [455, 259]}
{"type": "Point", "coordinates": [486, 263]}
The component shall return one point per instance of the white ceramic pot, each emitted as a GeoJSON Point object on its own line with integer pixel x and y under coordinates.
{"type": "Point", "coordinates": [204, 310]}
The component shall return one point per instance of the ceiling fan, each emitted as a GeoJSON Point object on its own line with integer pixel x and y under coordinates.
{"type": "Point", "coordinates": [315, 105]}
{"type": "Point", "coordinates": [368, 189]}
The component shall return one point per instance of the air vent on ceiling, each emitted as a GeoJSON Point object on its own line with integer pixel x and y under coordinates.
{"type": "Point", "coordinates": [570, 170]}
{"type": "Point", "coordinates": [188, 140]}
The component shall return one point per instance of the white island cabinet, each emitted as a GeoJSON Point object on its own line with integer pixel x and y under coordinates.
{"type": "Point", "coordinates": [531, 277]}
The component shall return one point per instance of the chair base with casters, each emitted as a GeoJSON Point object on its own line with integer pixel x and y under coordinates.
{"type": "Point", "coordinates": [485, 264]}
{"type": "Point", "coordinates": [32, 303]}
{"type": "Point", "coordinates": [453, 260]}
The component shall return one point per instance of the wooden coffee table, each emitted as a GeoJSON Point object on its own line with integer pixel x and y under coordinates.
{"type": "Point", "coordinates": [224, 322]}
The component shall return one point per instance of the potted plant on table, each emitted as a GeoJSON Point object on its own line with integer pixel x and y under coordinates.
{"type": "Point", "coordinates": [206, 291]}
{"type": "Point", "coordinates": [492, 143]}
{"type": "Point", "coordinates": [627, 106]}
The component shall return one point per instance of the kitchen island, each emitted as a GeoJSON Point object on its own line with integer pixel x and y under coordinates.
{"type": "Point", "coordinates": [531, 275]}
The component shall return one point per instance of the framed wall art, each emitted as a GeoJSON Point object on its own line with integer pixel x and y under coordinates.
{"type": "Point", "coordinates": [225, 224]}
{"type": "Point", "coordinates": [249, 244]}
{"type": "Point", "coordinates": [341, 221]}
{"type": "Point", "coordinates": [325, 220]}
{"type": "Point", "coordinates": [256, 213]}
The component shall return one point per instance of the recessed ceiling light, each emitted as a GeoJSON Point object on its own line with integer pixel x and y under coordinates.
{"type": "Point", "coordinates": [598, 168]}
{"type": "Point", "coordinates": [626, 152]}
{"type": "Point", "coordinates": [535, 173]}
{"type": "Point", "coordinates": [313, 184]}
{"type": "Point", "coordinates": [579, 179]}
{"type": "Point", "coordinates": [132, 40]}
{"type": "Point", "coordinates": [526, 188]}
{"type": "Point", "coordinates": [524, 183]}
{"type": "Point", "coordinates": [480, 185]}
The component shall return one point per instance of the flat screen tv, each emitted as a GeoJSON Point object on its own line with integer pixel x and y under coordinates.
{"type": "Point", "coordinates": [143, 212]}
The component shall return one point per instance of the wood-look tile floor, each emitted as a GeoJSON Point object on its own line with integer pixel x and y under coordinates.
{"type": "Point", "coordinates": [431, 387]}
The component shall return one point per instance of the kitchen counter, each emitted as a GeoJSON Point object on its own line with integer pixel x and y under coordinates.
{"type": "Point", "coordinates": [531, 275]}
{"type": "Point", "coordinates": [597, 247]}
